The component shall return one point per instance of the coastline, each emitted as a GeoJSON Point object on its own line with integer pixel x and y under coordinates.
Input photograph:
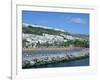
{"type": "Point", "coordinates": [70, 54]}
{"type": "Point", "coordinates": [38, 66]}
{"type": "Point", "coordinates": [31, 49]}
{"type": "Point", "coordinates": [62, 48]}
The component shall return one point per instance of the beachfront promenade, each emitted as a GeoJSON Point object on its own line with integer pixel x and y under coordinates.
{"type": "Point", "coordinates": [65, 54]}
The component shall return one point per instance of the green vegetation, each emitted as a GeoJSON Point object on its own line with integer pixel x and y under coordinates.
{"type": "Point", "coordinates": [39, 31]}
{"type": "Point", "coordinates": [24, 43]}
{"type": "Point", "coordinates": [81, 43]}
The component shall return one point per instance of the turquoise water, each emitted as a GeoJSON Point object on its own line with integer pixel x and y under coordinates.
{"type": "Point", "coordinates": [80, 62]}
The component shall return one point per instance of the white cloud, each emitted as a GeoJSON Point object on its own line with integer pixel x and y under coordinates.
{"type": "Point", "coordinates": [77, 20]}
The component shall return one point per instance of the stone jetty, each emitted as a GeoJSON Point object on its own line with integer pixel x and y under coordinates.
{"type": "Point", "coordinates": [33, 60]}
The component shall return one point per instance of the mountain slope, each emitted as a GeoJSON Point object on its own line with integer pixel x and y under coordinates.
{"type": "Point", "coordinates": [39, 30]}
{"type": "Point", "coordinates": [37, 36]}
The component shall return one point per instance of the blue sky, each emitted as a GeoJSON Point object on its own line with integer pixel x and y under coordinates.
{"type": "Point", "coordinates": [77, 23]}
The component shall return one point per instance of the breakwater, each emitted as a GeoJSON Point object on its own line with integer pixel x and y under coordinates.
{"type": "Point", "coordinates": [43, 57]}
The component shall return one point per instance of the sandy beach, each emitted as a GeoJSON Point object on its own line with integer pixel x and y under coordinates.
{"type": "Point", "coordinates": [63, 48]}
{"type": "Point", "coordinates": [31, 49]}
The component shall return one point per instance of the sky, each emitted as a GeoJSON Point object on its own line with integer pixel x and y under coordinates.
{"type": "Point", "coordinates": [77, 23]}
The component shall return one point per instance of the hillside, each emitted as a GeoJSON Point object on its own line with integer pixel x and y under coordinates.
{"type": "Point", "coordinates": [39, 30]}
{"type": "Point", "coordinates": [41, 36]}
